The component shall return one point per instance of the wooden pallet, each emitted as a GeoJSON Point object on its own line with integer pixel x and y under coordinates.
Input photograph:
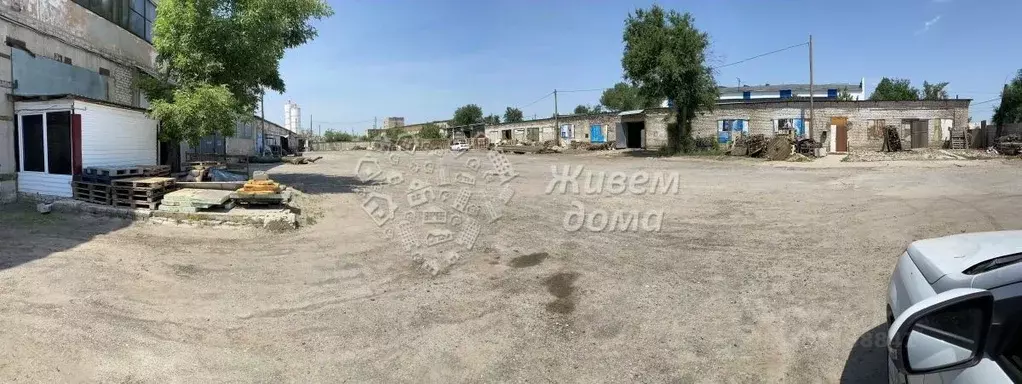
{"type": "Point", "coordinates": [139, 193]}
{"type": "Point", "coordinates": [113, 171]}
{"type": "Point", "coordinates": [155, 170]}
{"type": "Point", "coordinates": [136, 204]}
{"type": "Point", "coordinates": [144, 182]}
{"type": "Point", "coordinates": [92, 192]}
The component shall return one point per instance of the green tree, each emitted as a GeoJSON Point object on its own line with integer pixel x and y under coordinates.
{"type": "Point", "coordinates": [512, 115]}
{"type": "Point", "coordinates": [468, 114]}
{"type": "Point", "coordinates": [492, 119]}
{"type": "Point", "coordinates": [393, 133]}
{"type": "Point", "coordinates": [665, 58]}
{"type": "Point", "coordinates": [894, 90]}
{"type": "Point", "coordinates": [1010, 109]}
{"type": "Point", "coordinates": [623, 97]}
{"type": "Point", "coordinates": [844, 95]}
{"type": "Point", "coordinates": [331, 136]}
{"type": "Point", "coordinates": [934, 91]}
{"type": "Point", "coordinates": [430, 131]}
{"type": "Point", "coordinates": [217, 57]}
{"type": "Point", "coordinates": [583, 109]}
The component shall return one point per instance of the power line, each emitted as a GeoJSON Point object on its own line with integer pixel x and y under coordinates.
{"type": "Point", "coordinates": [537, 100]}
{"type": "Point", "coordinates": [759, 55]}
{"type": "Point", "coordinates": [987, 101]}
{"type": "Point", "coordinates": [582, 90]}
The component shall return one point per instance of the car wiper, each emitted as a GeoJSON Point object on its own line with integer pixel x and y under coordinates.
{"type": "Point", "coordinates": [993, 264]}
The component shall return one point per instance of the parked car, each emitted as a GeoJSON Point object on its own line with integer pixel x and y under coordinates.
{"type": "Point", "coordinates": [955, 310]}
{"type": "Point", "coordinates": [459, 145]}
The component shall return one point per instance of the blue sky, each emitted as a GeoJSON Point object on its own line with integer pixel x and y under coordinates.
{"type": "Point", "coordinates": [423, 59]}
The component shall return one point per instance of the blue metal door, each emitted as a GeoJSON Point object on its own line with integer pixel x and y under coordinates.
{"type": "Point", "coordinates": [596, 134]}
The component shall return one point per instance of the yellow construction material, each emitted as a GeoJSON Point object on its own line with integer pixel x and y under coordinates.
{"type": "Point", "coordinates": [260, 187]}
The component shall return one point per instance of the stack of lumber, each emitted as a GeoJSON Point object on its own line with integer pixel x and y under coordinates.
{"type": "Point", "coordinates": [141, 192]}
{"type": "Point", "coordinates": [259, 192]}
{"type": "Point", "coordinates": [191, 200]}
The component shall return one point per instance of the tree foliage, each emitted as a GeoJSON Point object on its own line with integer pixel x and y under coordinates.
{"type": "Point", "coordinates": [623, 97]}
{"type": "Point", "coordinates": [512, 115]}
{"type": "Point", "coordinates": [844, 95]}
{"type": "Point", "coordinates": [934, 91]}
{"type": "Point", "coordinates": [468, 114]}
{"type": "Point", "coordinates": [216, 58]}
{"type": "Point", "coordinates": [665, 58]}
{"type": "Point", "coordinates": [894, 90]}
{"type": "Point", "coordinates": [492, 119]}
{"type": "Point", "coordinates": [430, 131]}
{"type": "Point", "coordinates": [583, 109]}
{"type": "Point", "coordinates": [1010, 109]}
{"type": "Point", "coordinates": [332, 136]}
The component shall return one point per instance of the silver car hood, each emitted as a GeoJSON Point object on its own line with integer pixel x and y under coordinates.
{"type": "Point", "coordinates": [950, 255]}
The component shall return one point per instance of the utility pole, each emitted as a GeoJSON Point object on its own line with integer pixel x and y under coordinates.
{"type": "Point", "coordinates": [262, 122]}
{"type": "Point", "coordinates": [811, 109]}
{"type": "Point", "coordinates": [557, 125]}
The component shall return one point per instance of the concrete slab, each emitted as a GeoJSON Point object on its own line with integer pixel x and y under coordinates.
{"type": "Point", "coordinates": [194, 197]}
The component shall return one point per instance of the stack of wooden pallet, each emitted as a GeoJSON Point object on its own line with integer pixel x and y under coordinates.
{"type": "Point", "coordinates": [141, 192]}
{"type": "Point", "coordinates": [94, 184]}
{"type": "Point", "coordinates": [155, 170]}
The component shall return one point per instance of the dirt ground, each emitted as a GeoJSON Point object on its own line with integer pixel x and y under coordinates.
{"type": "Point", "coordinates": [760, 273]}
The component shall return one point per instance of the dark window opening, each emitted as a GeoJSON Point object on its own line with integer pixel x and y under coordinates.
{"type": "Point", "coordinates": [747, 95]}
{"type": "Point", "coordinates": [136, 16]}
{"type": "Point", "coordinates": [58, 142]}
{"type": "Point", "coordinates": [786, 94]}
{"type": "Point", "coordinates": [67, 60]}
{"type": "Point", "coordinates": [32, 143]}
{"type": "Point", "coordinates": [104, 72]}
{"type": "Point", "coordinates": [831, 93]}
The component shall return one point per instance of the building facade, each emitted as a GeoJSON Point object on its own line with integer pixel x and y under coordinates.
{"type": "Point", "coordinates": [292, 117]}
{"type": "Point", "coordinates": [840, 125]}
{"type": "Point", "coordinates": [789, 91]}
{"type": "Point", "coordinates": [391, 122]}
{"type": "Point", "coordinates": [61, 47]}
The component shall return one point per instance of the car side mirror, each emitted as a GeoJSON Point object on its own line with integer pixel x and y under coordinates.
{"type": "Point", "coordinates": [944, 332]}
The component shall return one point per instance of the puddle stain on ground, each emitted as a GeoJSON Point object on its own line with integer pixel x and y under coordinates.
{"type": "Point", "coordinates": [530, 260]}
{"type": "Point", "coordinates": [560, 286]}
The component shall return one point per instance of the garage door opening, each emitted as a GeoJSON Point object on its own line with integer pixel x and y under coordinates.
{"type": "Point", "coordinates": [635, 134]}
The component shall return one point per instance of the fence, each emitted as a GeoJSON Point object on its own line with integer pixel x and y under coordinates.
{"type": "Point", "coordinates": [985, 136]}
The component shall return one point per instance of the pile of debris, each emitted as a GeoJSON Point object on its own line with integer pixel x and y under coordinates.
{"type": "Point", "coordinates": [779, 148]}
{"type": "Point", "coordinates": [892, 142]}
{"type": "Point", "coordinates": [300, 159]}
{"type": "Point", "coordinates": [1009, 145]}
{"type": "Point", "coordinates": [752, 146]}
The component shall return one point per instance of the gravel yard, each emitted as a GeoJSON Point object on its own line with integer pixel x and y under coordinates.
{"type": "Point", "coordinates": [759, 273]}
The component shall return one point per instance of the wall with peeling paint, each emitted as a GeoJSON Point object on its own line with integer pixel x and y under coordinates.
{"type": "Point", "coordinates": [61, 29]}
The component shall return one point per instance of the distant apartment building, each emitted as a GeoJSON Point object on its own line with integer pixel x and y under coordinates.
{"type": "Point", "coordinates": [391, 122]}
{"type": "Point", "coordinates": [91, 49]}
{"type": "Point", "coordinates": [292, 117]}
{"type": "Point", "coordinates": [790, 91]}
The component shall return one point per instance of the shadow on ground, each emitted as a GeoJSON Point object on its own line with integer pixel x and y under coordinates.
{"type": "Point", "coordinates": [867, 361]}
{"type": "Point", "coordinates": [27, 235]}
{"type": "Point", "coordinates": [314, 183]}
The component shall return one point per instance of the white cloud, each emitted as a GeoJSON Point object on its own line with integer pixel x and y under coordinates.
{"type": "Point", "coordinates": [928, 24]}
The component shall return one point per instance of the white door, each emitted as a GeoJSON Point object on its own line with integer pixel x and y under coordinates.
{"type": "Point", "coordinates": [620, 140]}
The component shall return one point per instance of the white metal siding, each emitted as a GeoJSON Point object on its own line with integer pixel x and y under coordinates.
{"type": "Point", "coordinates": [44, 184]}
{"type": "Point", "coordinates": [116, 136]}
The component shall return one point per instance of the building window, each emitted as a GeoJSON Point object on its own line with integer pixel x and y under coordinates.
{"type": "Point", "coordinates": [567, 131]}
{"type": "Point", "coordinates": [831, 93]}
{"type": "Point", "coordinates": [785, 93]}
{"type": "Point", "coordinates": [875, 129]}
{"type": "Point", "coordinates": [32, 144]}
{"type": "Point", "coordinates": [747, 95]}
{"type": "Point", "coordinates": [136, 16]}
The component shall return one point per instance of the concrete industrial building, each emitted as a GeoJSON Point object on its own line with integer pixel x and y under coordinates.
{"type": "Point", "coordinates": [391, 122]}
{"type": "Point", "coordinates": [841, 125]}
{"type": "Point", "coordinates": [54, 48]}
{"type": "Point", "coordinates": [292, 117]}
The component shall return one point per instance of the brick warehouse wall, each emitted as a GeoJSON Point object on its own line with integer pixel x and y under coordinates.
{"type": "Point", "coordinates": [61, 27]}
{"type": "Point", "coordinates": [762, 114]}
{"type": "Point", "coordinates": [549, 131]}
